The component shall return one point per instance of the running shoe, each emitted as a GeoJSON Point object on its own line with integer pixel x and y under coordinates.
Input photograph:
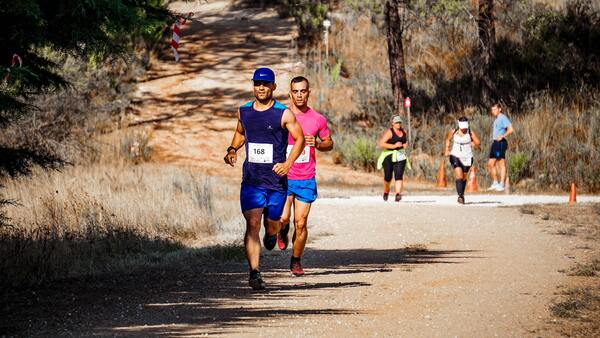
{"type": "Point", "coordinates": [255, 281]}
{"type": "Point", "coordinates": [269, 241]}
{"type": "Point", "coordinates": [296, 268]}
{"type": "Point", "coordinates": [282, 237]}
{"type": "Point", "coordinates": [500, 187]}
{"type": "Point", "coordinates": [461, 200]}
{"type": "Point", "coordinates": [398, 197]}
{"type": "Point", "coordinates": [494, 186]}
{"type": "Point", "coordinates": [385, 196]}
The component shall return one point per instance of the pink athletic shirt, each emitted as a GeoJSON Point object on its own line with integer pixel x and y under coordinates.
{"type": "Point", "coordinates": [314, 124]}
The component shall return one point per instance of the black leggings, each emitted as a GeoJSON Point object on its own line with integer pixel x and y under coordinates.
{"type": "Point", "coordinates": [397, 168]}
{"type": "Point", "coordinates": [457, 163]}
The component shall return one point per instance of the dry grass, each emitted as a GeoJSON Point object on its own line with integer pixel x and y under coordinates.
{"type": "Point", "coordinates": [102, 218]}
{"type": "Point", "coordinates": [577, 309]}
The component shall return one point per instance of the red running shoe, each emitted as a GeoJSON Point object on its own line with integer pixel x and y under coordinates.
{"type": "Point", "coordinates": [296, 268]}
{"type": "Point", "coordinates": [282, 237]}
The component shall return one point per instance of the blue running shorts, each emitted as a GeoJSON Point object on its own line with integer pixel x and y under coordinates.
{"type": "Point", "coordinates": [303, 190]}
{"type": "Point", "coordinates": [273, 201]}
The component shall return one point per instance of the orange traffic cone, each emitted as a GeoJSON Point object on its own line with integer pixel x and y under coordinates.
{"type": "Point", "coordinates": [441, 176]}
{"type": "Point", "coordinates": [573, 196]}
{"type": "Point", "coordinates": [472, 180]}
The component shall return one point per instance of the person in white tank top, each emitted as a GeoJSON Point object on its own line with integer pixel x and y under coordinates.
{"type": "Point", "coordinates": [462, 140]}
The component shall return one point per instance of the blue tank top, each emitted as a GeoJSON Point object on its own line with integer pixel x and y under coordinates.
{"type": "Point", "coordinates": [266, 144]}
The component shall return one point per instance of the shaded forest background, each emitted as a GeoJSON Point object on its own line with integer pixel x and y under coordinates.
{"type": "Point", "coordinates": [544, 71]}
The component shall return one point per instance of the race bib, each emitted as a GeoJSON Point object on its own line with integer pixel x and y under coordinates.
{"type": "Point", "coordinates": [466, 161]}
{"type": "Point", "coordinates": [401, 156]}
{"type": "Point", "coordinates": [260, 153]}
{"type": "Point", "coordinates": [304, 156]}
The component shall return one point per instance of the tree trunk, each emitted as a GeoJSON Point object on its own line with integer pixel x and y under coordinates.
{"type": "Point", "coordinates": [486, 23]}
{"type": "Point", "coordinates": [395, 29]}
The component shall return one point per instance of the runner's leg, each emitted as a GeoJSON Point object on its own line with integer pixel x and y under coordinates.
{"type": "Point", "coordinates": [252, 237]}
{"type": "Point", "coordinates": [502, 165]}
{"type": "Point", "coordinates": [283, 238]}
{"type": "Point", "coordinates": [399, 176]}
{"type": "Point", "coordinates": [287, 211]}
{"type": "Point", "coordinates": [272, 227]}
{"type": "Point", "coordinates": [387, 176]}
{"type": "Point", "coordinates": [459, 178]}
{"type": "Point", "coordinates": [301, 211]}
{"type": "Point", "coordinates": [398, 185]}
{"type": "Point", "coordinates": [465, 170]}
{"type": "Point", "coordinates": [492, 170]}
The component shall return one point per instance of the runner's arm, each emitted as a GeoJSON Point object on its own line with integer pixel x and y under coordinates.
{"type": "Point", "coordinates": [509, 131]}
{"type": "Point", "coordinates": [288, 121]}
{"type": "Point", "coordinates": [476, 143]}
{"type": "Point", "coordinates": [382, 143]}
{"type": "Point", "coordinates": [448, 142]}
{"type": "Point", "coordinates": [236, 143]}
{"type": "Point", "coordinates": [326, 144]}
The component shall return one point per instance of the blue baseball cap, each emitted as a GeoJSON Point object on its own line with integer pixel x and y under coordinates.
{"type": "Point", "coordinates": [264, 74]}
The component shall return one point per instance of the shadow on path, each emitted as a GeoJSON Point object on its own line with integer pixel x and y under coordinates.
{"type": "Point", "coordinates": [213, 298]}
{"type": "Point", "coordinates": [199, 297]}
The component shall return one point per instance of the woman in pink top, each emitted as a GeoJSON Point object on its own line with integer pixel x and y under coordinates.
{"type": "Point", "coordinates": [302, 186]}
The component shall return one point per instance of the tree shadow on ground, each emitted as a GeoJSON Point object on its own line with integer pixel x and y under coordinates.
{"type": "Point", "coordinates": [202, 298]}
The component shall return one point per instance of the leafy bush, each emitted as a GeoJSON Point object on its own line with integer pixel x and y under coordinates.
{"type": "Point", "coordinates": [358, 152]}
{"type": "Point", "coordinates": [518, 167]}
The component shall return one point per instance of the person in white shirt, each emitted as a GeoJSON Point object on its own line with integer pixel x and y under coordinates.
{"type": "Point", "coordinates": [462, 140]}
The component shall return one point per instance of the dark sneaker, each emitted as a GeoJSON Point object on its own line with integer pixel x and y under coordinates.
{"type": "Point", "coordinates": [461, 200]}
{"type": "Point", "coordinates": [282, 237]}
{"type": "Point", "coordinates": [385, 196]}
{"type": "Point", "coordinates": [398, 197]}
{"type": "Point", "coordinates": [255, 281]}
{"type": "Point", "coordinates": [269, 241]}
{"type": "Point", "coordinates": [296, 268]}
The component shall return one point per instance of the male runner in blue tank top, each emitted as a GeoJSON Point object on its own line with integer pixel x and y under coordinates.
{"type": "Point", "coordinates": [263, 126]}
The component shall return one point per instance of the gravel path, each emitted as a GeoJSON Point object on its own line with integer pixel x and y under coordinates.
{"type": "Point", "coordinates": [373, 269]}
{"type": "Point", "coordinates": [474, 200]}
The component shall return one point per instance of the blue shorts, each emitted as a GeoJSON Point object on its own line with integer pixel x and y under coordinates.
{"type": "Point", "coordinates": [273, 201]}
{"type": "Point", "coordinates": [498, 150]}
{"type": "Point", "coordinates": [303, 190]}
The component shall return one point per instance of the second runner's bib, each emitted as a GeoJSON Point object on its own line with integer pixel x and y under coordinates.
{"type": "Point", "coordinates": [304, 156]}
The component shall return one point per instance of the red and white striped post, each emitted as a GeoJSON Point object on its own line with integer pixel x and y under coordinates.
{"type": "Point", "coordinates": [15, 59]}
{"type": "Point", "coordinates": [180, 21]}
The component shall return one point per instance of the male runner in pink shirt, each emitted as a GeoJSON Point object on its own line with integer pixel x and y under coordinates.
{"type": "Point", "coordinates": [302, 186]}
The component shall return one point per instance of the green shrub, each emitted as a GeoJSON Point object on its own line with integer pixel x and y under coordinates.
{"type": "Point", "coordinates": [518, 167]}
{"type": "Point", "coordinates": [358, 152]}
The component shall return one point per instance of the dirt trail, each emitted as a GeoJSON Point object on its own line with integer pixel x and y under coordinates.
{"type": "Point", "coordinates": [190, 106]}
{"type": "Point", "coordinates": [389, 270]}
{"type": "Point", "coordinates": [373, 268]}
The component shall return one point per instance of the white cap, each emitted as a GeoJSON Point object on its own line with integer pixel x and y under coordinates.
{"type": "Point", "coordinates": [463, 124]}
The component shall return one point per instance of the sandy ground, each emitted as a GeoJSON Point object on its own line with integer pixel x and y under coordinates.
{"type": "Point", "coordinates": [392, 269]}
{"type": "Point", "coordinates": [424, 267]}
